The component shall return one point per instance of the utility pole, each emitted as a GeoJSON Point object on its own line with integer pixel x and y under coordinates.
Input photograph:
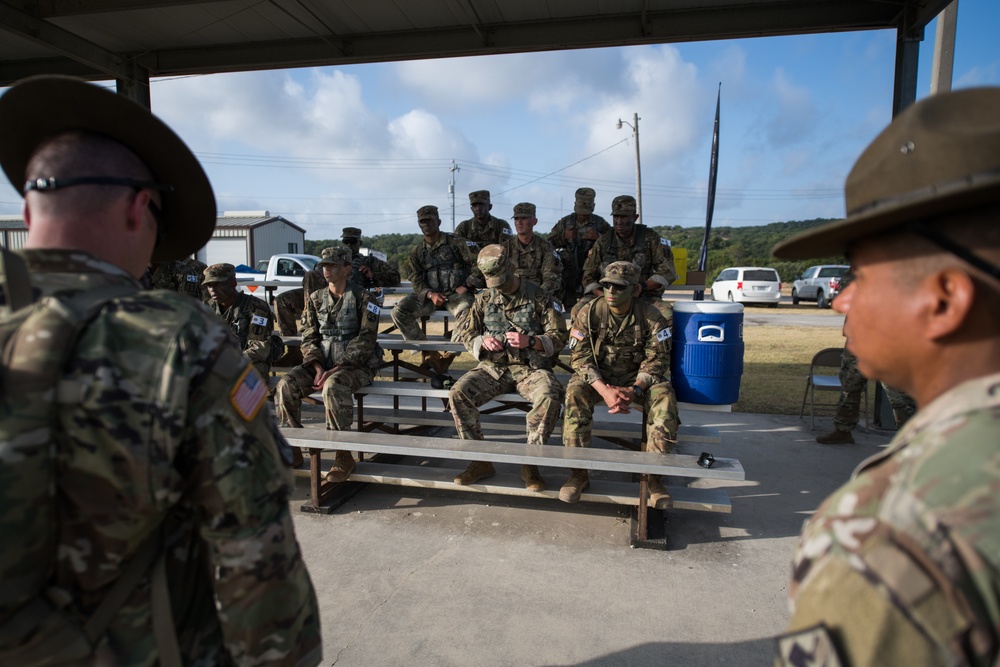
{"type": "Point", "coordinates": [451, 191]}
{"type": "Point", "coordinates": [638, 171]}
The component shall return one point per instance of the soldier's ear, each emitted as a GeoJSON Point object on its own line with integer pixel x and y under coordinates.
{"type": "Point", "coordinates": [638, 290]}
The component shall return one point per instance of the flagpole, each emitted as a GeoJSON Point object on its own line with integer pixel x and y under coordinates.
{"type": "Point", "coordinates": [713, 172]}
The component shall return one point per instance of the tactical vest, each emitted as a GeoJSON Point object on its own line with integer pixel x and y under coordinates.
{"type": "Point", "coordinates": [497, 322]}
{"type": "Point", "coordinates": [241, 313]}
{"type": "Point", "coordinates": [636, 254]}
{"type": "Point", "coordinates": [532, 269]}
{"type": "Point", "coordinates": [443, 268]}
{"type": "Point", "coordinates": [340, 328]}
{"type": "Point", "coordinates": [621, 351]}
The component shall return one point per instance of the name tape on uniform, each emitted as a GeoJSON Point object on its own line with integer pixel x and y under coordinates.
{"type": "Point", "coordinates": [663, 334]}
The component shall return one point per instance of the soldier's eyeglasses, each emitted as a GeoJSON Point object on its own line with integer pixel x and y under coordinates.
{"type": "Point", "coordinates": [613, 288]}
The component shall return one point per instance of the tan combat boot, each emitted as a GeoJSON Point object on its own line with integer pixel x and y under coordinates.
{"type": "Point", "coordinates": [343, 466]}
{"type": "Point", "coordinates": [532, 479]}
{"type": "Point", "coordinates": [476, 471]}
{"type": "Point", "coordinates": [658, 496]}
{"type": "Point", "coordinates": [836, 437]}
{"type": "Point", "coordinates": [578, 482]}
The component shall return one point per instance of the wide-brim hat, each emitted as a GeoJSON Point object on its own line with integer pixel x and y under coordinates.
{"type": "Point", "coordinates": [42, 107]}
{"type": "Point", "coordinates": [942, 154]}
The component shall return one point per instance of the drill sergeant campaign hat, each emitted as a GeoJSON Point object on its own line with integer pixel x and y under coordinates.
{"type": "Point", "coordinates": [428, 212]}
{"type": "Point", "coordinates": [219, 273]}
{"type": "Point", "coordinates": [584, 200]}
{"type": "Point", "coordinates": [495, 264]}
{"type": "Point", "coordinates": [621, 273]}
{"type": "Point", "coordinates": [524, 210]}
{"type": "Point", "coordinates": [335, 255]}
{"type": "Point", "coordinates": [40, 108]}
{"type": "Point", "coordinates": [350, 233]}
{"type": "Point", "coordinates": [623, 205]}
{"type": "Point", "coordinates": [479, 197]}
{"type": "Point", "coordinates": [940, 155]}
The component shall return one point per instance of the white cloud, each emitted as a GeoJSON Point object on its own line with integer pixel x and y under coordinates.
{"type": "Point", "coordinates": [794, 114]}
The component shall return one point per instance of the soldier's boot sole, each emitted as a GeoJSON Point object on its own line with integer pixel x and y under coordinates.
{"type": "Point", "coordinates": [574, 487]}
{"type": "Point", "coordinates": [836, 437]}
{"type": "Point", "coordinates": [532, 479]}
{"type": "Point", "coordinates": [658, 496]}
{"type": "Point", "coordinates": [342, 468]}
{"type": "Point", "coordinates": [476, 471]}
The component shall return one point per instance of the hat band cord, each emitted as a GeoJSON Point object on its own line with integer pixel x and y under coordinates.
{"type": "Point", "coordinates": [52, 183]}
{"type": "Point", "coordinates": [963, 253]}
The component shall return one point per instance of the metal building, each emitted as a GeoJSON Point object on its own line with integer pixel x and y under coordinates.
{"type": "Point", "coordinates": [246, 237]}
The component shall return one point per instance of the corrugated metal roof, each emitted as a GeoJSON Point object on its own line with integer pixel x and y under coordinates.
{"type": "Point", "coordinates": [16, 222]}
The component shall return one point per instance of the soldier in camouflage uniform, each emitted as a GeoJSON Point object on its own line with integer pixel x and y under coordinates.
{"type": "Point", "coordinates": [339, 353]}
{"type": "Point", "coordinates": [369, 271]}
{"type": "Point", "coordinates": [199, 267]}
{"type": "Point", "coordinates": [483, 228]}
{"type": "Point", "coordinates": [901, 565]}
{"type": "Point", "coordinates": [852, 383]}
{"type": "Point", "coordinates": [442, 271]}
{"type": "Point", "coordinates": [249, 317]}
{"type": "Point", "coordinates": [620, 355]}
{"type": "Point", "coordinates": [573, 236]}
{"type": "Point", "coordinates": [288, 306]}
{"type": "Point", "coordinates": [176, 276]}
{"type": "Point", "coordinates": [532, 257]}
{"type": "Point", "coordinates": [516, 332]}
{"type": "Point", "coordinates": [162, 427]}
{"type": "Point", "coordinates": [629, 242]}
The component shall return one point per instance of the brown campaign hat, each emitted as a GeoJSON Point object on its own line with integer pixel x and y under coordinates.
{"type": "Point", "coordinates": [941, 154]}
{"type": "Point", "coordinates": [42, 107]}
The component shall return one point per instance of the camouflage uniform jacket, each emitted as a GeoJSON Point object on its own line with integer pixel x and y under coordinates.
{"type": "Point", "coordinates": [178, 276]}
{"type": "Point", "coordinates": [494, 231]}
{"type": "Point", "coordinates": [902, 563]}
{"type": "Point", "coordinates": [645, 248]}
{"type": "Point", "coordinates": [348, 337]}
{"type": "Point", "coordinates": [169, 425]}
{"type": "Point", "coordinates": [312, 281]}
{"type": "Point", "coordinates": [442, 266]}
{"type": "Point", "coordinates": [384, 275]}
{"type": "Point", "coordinates": [529, 310]}
{"type": "Point", "coordinates": [537, 262]}
{"type": "Point", "coordinates": [251, 322]}
{"type": "Point", "coordinates": [558, 239]}
{"type": "Point", "coordinates": [620, 350]}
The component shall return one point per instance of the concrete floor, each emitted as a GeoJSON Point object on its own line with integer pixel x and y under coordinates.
{"type": "Point", "coordinates": [407, 576]}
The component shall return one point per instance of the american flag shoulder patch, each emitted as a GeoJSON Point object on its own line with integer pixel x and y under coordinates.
{"type": "Point", "coordinates": [577, 334]}
{"type": "Point", "coordinates": [259, 320]}
{"type": "Point", "coordinates": [248, 394]}
{"type": "Point", "coordinates": [373, 308]}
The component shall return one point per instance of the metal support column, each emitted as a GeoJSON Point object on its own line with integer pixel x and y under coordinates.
{"type": "Point", "coordinates": [908, 40]}
{"type": "Point", "coordinates": [136, 85]}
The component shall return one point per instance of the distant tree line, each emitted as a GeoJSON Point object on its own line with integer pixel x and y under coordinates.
{"type": "Point", "coordinates": [727, 246]}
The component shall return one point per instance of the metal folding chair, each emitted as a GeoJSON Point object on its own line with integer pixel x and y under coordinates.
{"type": "Point", "coordinates": [829, 357]}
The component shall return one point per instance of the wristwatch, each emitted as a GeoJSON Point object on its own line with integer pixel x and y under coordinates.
{"type": "Point", "coordinates": [531, 341]}
{"type": "Point", "coordinates": [638, 391]}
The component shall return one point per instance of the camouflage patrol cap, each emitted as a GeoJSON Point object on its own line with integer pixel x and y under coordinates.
{"type": "Point", "coordinates": [524, 210]}
{"type": "Point", "coordinates": [584, 200]}
{"type": "Point", "coordinates": [479, 197]}
{"type": "Point", "coordinates": [219, 273]}
{"type": "Point", "coordinates": [425, 212]}
{"type": "Point", "coordinates": [623, 205]}
{"type": "Point", "coordinates": [494, 263]}
{"type": "Point", "coordinates": [350, 233]}
{"type": "Point", "coordinates": [621, 273]}
{"type": "Point", "coordinates": [335, 255]}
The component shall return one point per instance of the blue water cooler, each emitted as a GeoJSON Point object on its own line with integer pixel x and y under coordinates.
{"type": "Point", "coordinates": [707, 360]}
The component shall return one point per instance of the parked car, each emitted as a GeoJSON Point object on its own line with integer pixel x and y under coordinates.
{"type": "Point", "coordinates": [748, 284]}
{"type": "Point", "coordinates": [818, 283]}
{"type": "Point", "coordinates": [285, 269]}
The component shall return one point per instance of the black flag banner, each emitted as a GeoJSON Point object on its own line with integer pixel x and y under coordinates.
{"type": "Point", "coordinates": [713, 172]}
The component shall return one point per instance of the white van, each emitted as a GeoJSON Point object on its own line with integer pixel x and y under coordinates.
{"type": "Point", "coordinates": [748, 284]}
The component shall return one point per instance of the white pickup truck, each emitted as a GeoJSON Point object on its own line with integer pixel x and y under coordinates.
{"type": "Point", "coordinates": [278, 274]}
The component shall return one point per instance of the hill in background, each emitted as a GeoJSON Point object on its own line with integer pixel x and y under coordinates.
{"type": "Point", "coordinates": [727, 246]}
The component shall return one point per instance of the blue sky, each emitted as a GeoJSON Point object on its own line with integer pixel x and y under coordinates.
{"type": "Point", "coordinates": [367, 145]}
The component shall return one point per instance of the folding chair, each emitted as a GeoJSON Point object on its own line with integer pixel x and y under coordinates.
{"type": "Point", "coordinates": [829, 357]}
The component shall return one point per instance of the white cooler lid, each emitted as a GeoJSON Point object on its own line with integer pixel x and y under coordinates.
{"type": "Point", "coordinates": [715, 307]}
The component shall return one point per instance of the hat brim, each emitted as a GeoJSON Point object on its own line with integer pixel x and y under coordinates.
{"type": "Point", "coordinates": [40, 108]}
{"type": "Point", "coordinates": [834, 238]}
{"type": "Point", "coordinates": [614, 281]}
{"type": "Point", "coordinates": [583, 208]}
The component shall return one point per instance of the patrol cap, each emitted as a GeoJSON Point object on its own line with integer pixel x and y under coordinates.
{"type": "Point", "coordinates": [584, 200]}
{"type": "Point", "coordinates": [219, 273]}
{"type": "Point", "coordinates": [42, 107]}
{"type": "Point", "coordinates": [494, 263]}
{"type": "Point", "coordinates": [479, 197]}
{"type": "Point", "coordinates": [350, 233]}
{"type": "Point", "coordinates": [524, 210]}
{"type": "Point", "coordinates": [335, 255]}
{"type": "Point", "coordinates": [940, 155]}
{"type": "Point", "coordinates": [623, 205]}
{"type": "Point", "coordinates": [621, 273]}
{"type": "Point", "coordinates": [425, 212]}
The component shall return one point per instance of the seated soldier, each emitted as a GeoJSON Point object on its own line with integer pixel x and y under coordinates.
{"type": "Point", "coordinates": [515, 331]}
{"type": "Point", "coordinates": [339, 350]}
{"type": "Point", "coordinates": [620, 354]}
{"type": "Point", "coordinates": [249, 317]}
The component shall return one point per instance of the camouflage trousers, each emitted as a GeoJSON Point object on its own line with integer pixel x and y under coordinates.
{"type": "Point", "coordinates": [407, 313]}
{"type": "Point", "coordinates": [852, 383]}
{"type": "Point", "coordinates": [479, 385]}
{"type": "Point", "coordinates": [666, 308]}
{"type": "Point", "coordinates": [288, 307]}
{"type": "Point", "coordinates": [338, 395]}
{"type": "Point", "coordinates": [659, 404]}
